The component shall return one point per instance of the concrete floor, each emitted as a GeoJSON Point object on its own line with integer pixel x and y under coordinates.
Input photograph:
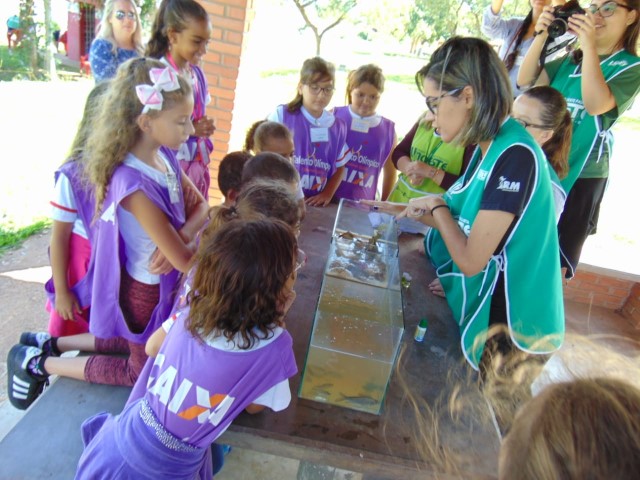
{"type": "Point", "coordinates": [24, 270]}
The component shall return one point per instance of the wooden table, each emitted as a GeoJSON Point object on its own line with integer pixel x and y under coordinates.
{"type": "Point", "coordinates": [307, 430]}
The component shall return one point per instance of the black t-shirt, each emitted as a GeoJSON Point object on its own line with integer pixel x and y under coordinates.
{"type": "Point", "coordinates": [508, 189]}
{"type": "Point", "coordinates": [510, 184]}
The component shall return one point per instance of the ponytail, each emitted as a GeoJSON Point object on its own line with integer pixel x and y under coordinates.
{"type": "Point", "coordinates": [558, 146]}
{"type": "Point", "coordinates": [510, 60]}
{"type": "Point", "coordinates": [172, 15]}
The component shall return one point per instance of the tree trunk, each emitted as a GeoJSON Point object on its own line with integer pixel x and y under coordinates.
{"type": "Point", "coordinates": [49, 63]}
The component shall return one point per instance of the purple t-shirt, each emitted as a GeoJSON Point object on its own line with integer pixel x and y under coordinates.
{"type": "Point", "coordinates": [197, 404]}
{"type": "Point", "coordinates": [370, 141]}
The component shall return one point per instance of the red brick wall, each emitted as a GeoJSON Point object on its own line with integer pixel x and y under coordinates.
{"type": "Point", "coordinates": [597, 289]}
{"type": "Point", "coordinates": [230, 20]}
{"type": "Point", "coordinates": [631, 308]}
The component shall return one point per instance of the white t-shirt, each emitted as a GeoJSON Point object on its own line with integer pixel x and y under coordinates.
{"type": "Point", "coordinates": [63, 206]}
{"type": "Point", "coordinates": [138, 246]}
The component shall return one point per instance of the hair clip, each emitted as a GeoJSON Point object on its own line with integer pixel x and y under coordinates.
{"type": "Point", "coordinates": [163, 79]}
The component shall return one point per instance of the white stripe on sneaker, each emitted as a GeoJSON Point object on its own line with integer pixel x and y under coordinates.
{"type": "Point", "coordinates": [20, 382]}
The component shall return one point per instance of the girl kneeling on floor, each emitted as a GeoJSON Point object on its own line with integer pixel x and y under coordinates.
{"type": "Point", "coordinates": [234, 323]}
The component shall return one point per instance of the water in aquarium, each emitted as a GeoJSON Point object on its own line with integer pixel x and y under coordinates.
{"type": "Point", "coordinates": [355, 339]}
{"type": "Point", "coordinates": [346, 380]}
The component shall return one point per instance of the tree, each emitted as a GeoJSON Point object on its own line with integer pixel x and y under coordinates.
{"type": "Point", "coordinates": [328, 12]}
{"type": "Point", "coordinates": [29, 42]}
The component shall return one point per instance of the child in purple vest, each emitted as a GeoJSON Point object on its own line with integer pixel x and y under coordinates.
{"type": "Point", "coordinates": [72, 209]}
{"type": "Point", "coordinates": [320, 151]}
{"type": "Point", "coordinates": [370, 137]}
{"type": "Point", "coordinates": [265, 136]}
{"type": "Point", "coordinates": [144, 235]}
{"type": "Point", "coordinates": [179, 38]}
{"type": "Point", "coordinates": [238, 332]}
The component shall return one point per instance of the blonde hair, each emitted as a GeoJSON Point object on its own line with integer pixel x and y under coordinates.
{"type": "Point", "coordinates": [115, 128]}
{"type": "Point", "coordinates": [105, 31]}
{"type": "Point", "coordinates": [565, 426]}
{"type": "Point", "coordinates": [370, 73]}
{"type": "Point", "coordinates": [586, 428]}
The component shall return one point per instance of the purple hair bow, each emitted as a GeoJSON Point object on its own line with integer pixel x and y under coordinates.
{"type": "Point", "coordinates": [163, 79]}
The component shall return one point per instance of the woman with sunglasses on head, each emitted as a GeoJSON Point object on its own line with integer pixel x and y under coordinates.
{"type": "Point", "coordinates": [599, 81]}
{"type": "Point", "coordinates": [119, 38]}
{"type": "Point", "coordinates": [493, 240]}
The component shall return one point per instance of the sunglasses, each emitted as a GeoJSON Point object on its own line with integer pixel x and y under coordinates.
{"type": "Point", "coordinates": [119, 14]}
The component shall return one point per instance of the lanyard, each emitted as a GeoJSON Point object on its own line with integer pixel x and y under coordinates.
{"type": "Point", "coordinates": [197, 106]}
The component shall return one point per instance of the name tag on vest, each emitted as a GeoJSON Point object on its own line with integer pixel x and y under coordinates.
{"type": "Point", "coordinates": [359, 125]}
{"type": "Point", "coordinates": [319, 134]}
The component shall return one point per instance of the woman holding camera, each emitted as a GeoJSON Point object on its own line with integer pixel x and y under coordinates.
{"type": "Point", "coordinates": [516, 35]}
{"type": "Point", "coordinates": [493, 239]}
{"type": "Point", "coordinates": [599, 81]}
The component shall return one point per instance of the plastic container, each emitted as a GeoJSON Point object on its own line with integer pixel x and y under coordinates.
{"type": "Point", "coordinates": [421, 330]}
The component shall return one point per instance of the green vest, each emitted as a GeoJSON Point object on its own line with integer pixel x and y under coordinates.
{"type": "Point", "coordinates": [529, 259]}
{"type": "Point", "coordinates": [428, 148]}
{"type": "Point", "coordinates": [592, 140]}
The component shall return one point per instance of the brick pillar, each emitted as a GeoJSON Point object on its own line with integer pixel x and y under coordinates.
{"type": "Point", "coordinates": [230, 20]}
{"type": "Point", "coordinates": [631, 308]}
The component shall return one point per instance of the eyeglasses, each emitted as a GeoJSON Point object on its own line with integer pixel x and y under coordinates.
{"type": "Point", "coordinates": [301, 260]}
{"type": "Point", "coordinates": [527, 124]}
{"type": "Point", "coordinates": [120, 14]}
{"type": "Point", "coordinates": [315, 89]}
{"type": "Point", "coordinates": [606, 9]}
{"type": "Point", "coordinates": [433, 102]}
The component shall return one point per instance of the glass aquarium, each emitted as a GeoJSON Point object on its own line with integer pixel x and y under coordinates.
{"type": "Point", "coordinates": [358, 323]}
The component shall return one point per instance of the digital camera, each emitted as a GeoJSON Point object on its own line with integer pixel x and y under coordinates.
{"type": "Point", "coordinates": [559, 26]}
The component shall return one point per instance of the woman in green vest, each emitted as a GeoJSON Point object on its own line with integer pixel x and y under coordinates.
{"type": "Point", "coordinates": [599, 81]}
{"type": "Point", "coordinates": [493, 239]}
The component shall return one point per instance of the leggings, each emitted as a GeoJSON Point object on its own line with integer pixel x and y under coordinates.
{"type": "Point", "coordinates": [579, 220]}
{"type": "Point", "coordinates": [137, 300]}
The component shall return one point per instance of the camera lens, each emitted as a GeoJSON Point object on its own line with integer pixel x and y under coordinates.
{"type": "Point", "coordinates": [557, 28]}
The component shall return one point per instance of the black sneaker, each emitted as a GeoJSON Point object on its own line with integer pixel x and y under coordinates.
{"type": "Point", "coordinates": [24, 387]}
{"type": "Point", "coordinates": [42, 340]}
{"type": "Point", "coordinates": [34, 339]}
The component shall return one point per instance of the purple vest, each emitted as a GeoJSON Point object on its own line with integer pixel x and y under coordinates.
{"type": "Point", "coordinates": [315, 162]}
{"type": "Point", "coordinates": [135, 446]}
{"type": "Point", "coordinates": [368, 151]}
{"type": "Point", "coordinates": [197, 404]}
{"type": "Point", "coordinates": [85, 204]}
{"type": "Point", "coordinates": [198, 148]}
{"type": "Point", "coordinates": [106, 319]}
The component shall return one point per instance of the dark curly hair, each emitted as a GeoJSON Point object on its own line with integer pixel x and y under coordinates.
{"type": "Point", "coordinates": [240, 276]}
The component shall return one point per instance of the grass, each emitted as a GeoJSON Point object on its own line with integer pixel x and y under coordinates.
{"type": "Point", "coordinates": [632, 123]}
{"type": "Point", "coordinates": [403, 79]}
{"type": "Point", "coordinates": [11, 237]}
{"type": "Point", "coordinates": [14, 65]}
{"type": "Point", "coordinates": [279, 73]}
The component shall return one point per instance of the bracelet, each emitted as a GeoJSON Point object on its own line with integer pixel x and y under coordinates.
{"type": "Point", "coordinates": [442, 205]}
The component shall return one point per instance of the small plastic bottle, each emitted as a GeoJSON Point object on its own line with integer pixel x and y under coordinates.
{"type": "Point", "coordinates": [421, 330]}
